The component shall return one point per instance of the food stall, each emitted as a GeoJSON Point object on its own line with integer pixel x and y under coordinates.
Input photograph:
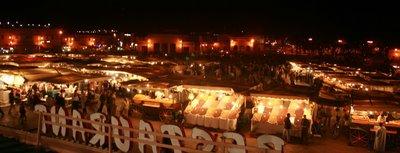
{"type": "Point", "coordinates": [215, 107]}
{"type": "Point", "coordinates": [11, 79]}
{"type": "Point", "coordinates": [8, 80]}
{"type": "Point", "coordinates": [269, 112]}
{"type": "Point", "coordinates": [155, 100]}
{"type": "Point", "coordinates": [366, 112]}
{"type": "Point", "coordinates": [366, 116]}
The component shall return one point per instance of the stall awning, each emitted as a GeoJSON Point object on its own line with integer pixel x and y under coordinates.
{"type": "Point", "coordinates": [328, 102]}
{"type": "Point", "coordinates": [11, 79]}
{"type": "Point", "coordinates": [66, 79]}
{"type": "Point", "coordinates": [376, 105]}
{"type": "Point", "coordinates": [223, 89]}
{"type": "Point", "coordinates": [280, 96]}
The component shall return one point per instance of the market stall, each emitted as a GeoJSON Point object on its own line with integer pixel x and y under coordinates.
{"type": "Point", "coordinates": [366, 116]}
{"type": "Point", "coordinates": [215, 107]}
{"type": "Point", "coordinates": [11, 79]}
{"type": "Point", "coordinates": [368, 113]}
{"type": "Point", "coordinates": [269, 112]}
{"type": "Point", "coordinates": [155, 100]}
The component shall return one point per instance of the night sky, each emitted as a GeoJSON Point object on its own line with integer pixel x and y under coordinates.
{"type": "Point", "coordinates": [296, 18]}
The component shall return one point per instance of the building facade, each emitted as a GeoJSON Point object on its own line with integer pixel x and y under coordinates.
{"type": "Point", "coordinates": [38, 39]}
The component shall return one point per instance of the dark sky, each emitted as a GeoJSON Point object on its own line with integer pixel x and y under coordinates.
{"type": "Point", "coordinates": [319, 18]}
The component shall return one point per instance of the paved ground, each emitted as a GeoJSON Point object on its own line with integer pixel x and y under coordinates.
{"type": "Point", "coordinates": [316, 145]}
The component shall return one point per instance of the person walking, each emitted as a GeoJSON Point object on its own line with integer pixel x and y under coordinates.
{"type": "Point", "coordinates": [75, 102]}
{"type": "Point", "coordinates": [380, 139]}
{"type": "Point", "coordinates": [124, 107]}
{"type": "Point", "coordinates": [305, 124]}
{"type": "Point", "coordinates": [110, 104]}
{"type": "Point", "coordinates": [11, 97]}
{"type": "Point", "coordinates": [102, 101]}
{"type": "Point", "coordinates": [287, 127]}
{"type": "Point", "coordinates": [22, 114]}
{"type": "Point", "coordinates": [60, 101]}
{"type": "Point", "coordinates": [84, 101]}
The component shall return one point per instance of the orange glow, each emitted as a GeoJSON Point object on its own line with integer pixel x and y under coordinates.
{"type": "Point", "coordinates": [216, 44]}
{"type": "Point", "coordinates": [60, 32]}
{"type": "Point", "coordinates": [149, 43]}
{"type": "Point", "coordinates": [180, 44]}
{"type": "Point", "coordinates": [340, 41]}
{"type": "Point", "coordinates": [69, 41]}
{"type": "Point", "coordinates": [12, 40]}
{"type": "Point", "coordinates": [39, 40]}
{"type": "Point", "coordinates": [251, 43]}
{"type": "Point", "coordinates": [233, 43]}
{"type": "Point", "coordinates": [396, 53]}
{"type": "Point", "coordinates": [91, 42]}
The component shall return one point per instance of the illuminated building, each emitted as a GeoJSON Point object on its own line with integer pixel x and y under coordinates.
{"type": "Point", "coordinates": [23, 39]}
{"type": "Point", "coordinates": [245, 44]}
{"type": "Point", "coordinates": [166, 43]}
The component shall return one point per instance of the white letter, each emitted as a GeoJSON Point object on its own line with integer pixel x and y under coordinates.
{"type": "Point", "coordinates": [144, 126]}
{"type": "Point", "coordinates": [238, 139]}
{"type": "Point", "coordinates": [123, 146]}
{"type": "Point", "coordinates": [59, 120]}
{"type": "Point", "coordinates": [76, 123]}
{"type": "Point", "coordinates": [41, 108]}
{"type": "Point", "coordinates": [201, 134]}
{"type": "Point", "coordinates": [173, 130]}
{"type": "Point", "coordinates": [98, 117]}
{"type": "Point", "coordinates": [265, 139]}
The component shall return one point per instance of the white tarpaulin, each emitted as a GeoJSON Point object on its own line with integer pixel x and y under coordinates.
{"type": "Point", "coordinates": [11, 79]}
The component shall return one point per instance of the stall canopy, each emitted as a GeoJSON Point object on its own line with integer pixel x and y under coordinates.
{"type": "Point", "coordinates": [72, 78]}
{"type": "Point", "coordinates": [208, 88]}
{"type": "Point", "coordinates": [11, 79]}
{"type": "Point", "coordinates": [147, 85]}
{"type": "Point", "coordinates": [376, 105]}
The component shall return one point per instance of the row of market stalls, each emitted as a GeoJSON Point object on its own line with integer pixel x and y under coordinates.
{"type": "Point", "coordinates": [208, 106]}
{"type": "Point", "coordinates": [372, 98]}
{"type": "Point", "coordinates": [55, 77]}
{"type": "Point", "coordinates": [346, 78]}
{"type": "Point", "coordinates": [217, 107]}
{"type": "Point", "coordinates": [220, 107]}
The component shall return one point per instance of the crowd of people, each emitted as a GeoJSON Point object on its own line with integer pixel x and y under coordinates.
{"type": "Point", "coordinates": [252, 72]}
{"type": "Point", "coordinates": [102, 95]}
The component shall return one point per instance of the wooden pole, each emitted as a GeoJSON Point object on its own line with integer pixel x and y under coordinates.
{"type": "Point", "coordinates": [39, 129]}
{"type": "Point", "coordinates": [110, 138]}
